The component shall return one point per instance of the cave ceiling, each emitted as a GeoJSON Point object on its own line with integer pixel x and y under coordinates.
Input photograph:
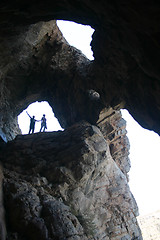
{"type": "Point", "coordinates": [36, 62]}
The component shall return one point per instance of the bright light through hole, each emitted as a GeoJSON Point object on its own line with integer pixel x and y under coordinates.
{"type": "Point", "coordinates": [77, 35]}
{"type": "Point", "coordinates": [38, 109]}
{"type": "Point", "coordinates": [145, 164]}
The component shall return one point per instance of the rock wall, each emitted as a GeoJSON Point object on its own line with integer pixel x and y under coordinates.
{"type": "Point", "coordinates": [36, 63]}
{"type": "Point", "coordinates": [113, 127]}
{"type": "Point", "coordinates": [2, 211]}
{"type": "Point", "coordinates": [66, 185]}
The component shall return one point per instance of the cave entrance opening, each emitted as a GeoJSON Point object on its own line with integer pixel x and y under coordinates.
{"type": "Point", "coordinates": [77, 35]}
{"type": "Point", "coordinates": [144, 174]}
{"type": "Point", "coordinates": [37, 109]}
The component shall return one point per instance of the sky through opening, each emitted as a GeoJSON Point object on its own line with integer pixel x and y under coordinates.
{"type": "Point", "coordinates": [38, 109]}
{"type": "Point", "coordinates": [77, 35]}
{"type": "Point", "coordinates": [145, 164]}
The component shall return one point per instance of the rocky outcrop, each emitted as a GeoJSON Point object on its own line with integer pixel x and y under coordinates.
{"type": "Point", "coordinates": [36, 63]}
{"type": "Point", "coordinates": [66, 185]}
{"type": "Point", "coordinates": [113, 127]}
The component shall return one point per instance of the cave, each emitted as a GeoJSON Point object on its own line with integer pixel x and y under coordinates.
{"type": "Point", "coordinates": [73, 184]}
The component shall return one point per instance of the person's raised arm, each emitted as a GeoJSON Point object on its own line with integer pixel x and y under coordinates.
{"type": "Point", "coordinates": [28, 114]}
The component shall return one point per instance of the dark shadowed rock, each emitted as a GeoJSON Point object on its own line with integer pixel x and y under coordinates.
{"type": "Point", "coordinates": [84, 167]}
{"type": "Point", "coordinates": [66, 184]}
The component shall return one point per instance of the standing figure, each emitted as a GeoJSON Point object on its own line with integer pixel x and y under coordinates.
{"type": "Point", "coordinates": [32, 123]}
{"type": "Point", "coordinates": [43, 123]}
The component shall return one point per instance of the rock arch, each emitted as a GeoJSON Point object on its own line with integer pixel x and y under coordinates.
{"type": "Point", "coordinates": [37, 64]}
{"type": "Point", "coordinates": [123, 62]}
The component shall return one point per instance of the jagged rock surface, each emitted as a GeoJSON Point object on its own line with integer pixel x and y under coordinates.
{"type": "Point", "coordinates": [66, 185]}
{"type": "Point", "coordinates": [113, 127]}
{"type": "Point", "coordinates": [36, 63]}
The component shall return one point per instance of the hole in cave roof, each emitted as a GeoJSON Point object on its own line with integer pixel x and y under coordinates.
{"type": "Point", "coordinates": [77, 35]}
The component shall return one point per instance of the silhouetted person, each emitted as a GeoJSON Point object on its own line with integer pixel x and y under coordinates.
{"type": "Point", "coordinates": [43, 123]}
{"type": "Point", "coordinates": [32, 123]}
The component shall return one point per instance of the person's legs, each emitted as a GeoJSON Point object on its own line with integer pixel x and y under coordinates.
{"type": "Point", "coordinates": [29, 130]}
{"type": "Point", "coordinates": [41, 128]}
{"type": "Point", "coordinates": [44, 128]}
{"type": "Point", "coordinates": [33, 129]}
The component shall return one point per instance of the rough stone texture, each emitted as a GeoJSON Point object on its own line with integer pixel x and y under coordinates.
{"type": "Point", "coordinates": [36, 63]}
{"type": "Point", "coordinates": [113, 127]}
{"type": "Point", "coordinates": [150, 225]}
{"type": "Point", "coordinates": [2, 212]}
{"type": "Point", "coordinates": [66, 185]}
{"type": "Point", "coordinates": [33, 213]}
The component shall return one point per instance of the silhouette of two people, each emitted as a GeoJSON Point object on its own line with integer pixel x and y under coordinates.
{"type": "Point", "coordinates": [33, 121]}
